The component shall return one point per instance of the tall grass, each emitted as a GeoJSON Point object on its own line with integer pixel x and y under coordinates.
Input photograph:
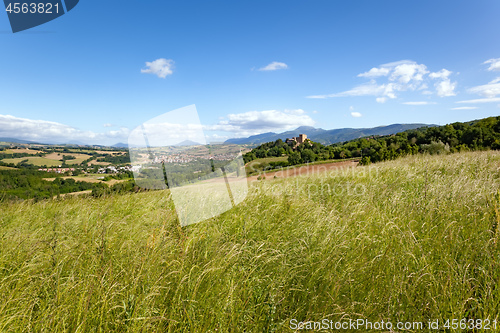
{"type": "Point", "coordinates": [408, 240]}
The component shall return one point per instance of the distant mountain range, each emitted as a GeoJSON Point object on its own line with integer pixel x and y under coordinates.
{"type": "Point", "coordinates": [327, 137]}
{"type": "Point", "coordinates": [12, 140]}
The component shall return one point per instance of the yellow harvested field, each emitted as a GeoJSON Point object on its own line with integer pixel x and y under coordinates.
{"type": "Point", "coordinates": [110, 152]}
{"type": "Point", "coordinates": [20, 151]}
{"type": "Point", "coordinates": [78, 179]}
{"type": "Point", "coordinates": [90, 180]}
{"type": "Point", "coordinates": [54, 156]}
{"type": "Point", "coordinates": [79, 158]}
{"type": "Point", "coordinates": [74, 193]}
{"type": "Point", "coordinates": [94, 162]}
{"type": "Point", "coordinates": [38, 161]}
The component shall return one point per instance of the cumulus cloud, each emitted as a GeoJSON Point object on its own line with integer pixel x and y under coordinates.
{"type": "Point", "coordinates": [489, 91]}
{"type": "Point", "coordinates": [165, 133]}
{"type": "Point", "coordinates": [256, 122]}
{"type": "Point", "coordinates": [465, 108]}
{"type": "Point", "coordinates": [52, 132]}
{"type": "Point", "coordinates": [442, 74]}
{"type": "Point", "coordinates": [356, 114]}
{"type": "Point", "coordinates": [494, 64]}
{"type": "Point", "coordinates": [160, 67]}
{"type": "Point", "coordinates": [376, 72]}
{"type": "Point", "coordinates": [405, 73]}
{"type": "Point", "coordinates": [419, 103]}
{"type": "Point", "coordinates": [399, 76]}
{"type": "Point", "coordinates": [274, 66]}
{"type": "Point", "coordinates": [444, 88]}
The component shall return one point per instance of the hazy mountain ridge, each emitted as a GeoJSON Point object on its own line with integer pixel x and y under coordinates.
{"type": "Point", "coordinates": [328, 136]}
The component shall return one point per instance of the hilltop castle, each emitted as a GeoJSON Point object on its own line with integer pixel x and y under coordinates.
{"type": "Point", "coordinates": [296, 141]}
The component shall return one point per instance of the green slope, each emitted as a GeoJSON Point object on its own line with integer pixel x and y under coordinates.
{"type": "Point", "coordinates": [406, 240]}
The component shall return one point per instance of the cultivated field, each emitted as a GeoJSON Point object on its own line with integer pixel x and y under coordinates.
{"type": "Point", "coordinates": [38, 161]}
{"type": "Point", "coordinates": [91, 179]}
{"type": "Point", "coordinates": [410, 240]}
{"type": "Point", "coordinates": [20, 151]}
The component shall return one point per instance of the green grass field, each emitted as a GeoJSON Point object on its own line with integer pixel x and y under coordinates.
{"type": "Point", "coordinates": [270, 159]}
{"type": "Point", "coordinates": [256, 165]}
{"type": "Point", "coordinates": [38, 161]}
{"type": "Point", "coordinates": [410, 240]}
{"type": "Point", "coordinates": [6, 168]}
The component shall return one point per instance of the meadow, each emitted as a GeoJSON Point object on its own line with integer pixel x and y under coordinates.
{"type": "Point", "coordinates": [409, 240]}
{"type": "Point", "coordinates": [38, 161]}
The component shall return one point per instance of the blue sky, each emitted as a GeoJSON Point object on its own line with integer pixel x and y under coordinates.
{"type": "Point", "coordinates": [330, 64]}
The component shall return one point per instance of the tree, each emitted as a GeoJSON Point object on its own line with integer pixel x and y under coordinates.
{"type": "Point", "coordinates": [308, 156]}
{"type": "Point", "coordinates": [294, 158]}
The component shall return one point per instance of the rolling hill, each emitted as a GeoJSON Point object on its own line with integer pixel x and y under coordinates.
{"type": "Point", "coordinates": [327, 136]}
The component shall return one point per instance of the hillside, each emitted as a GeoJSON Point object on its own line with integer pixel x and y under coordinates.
{"type": "Point", "coordinates": [481, 134]}
{"type": "Point", "coordinates": [400, 241]}
{"type": "Point", "coordinates": [327, 137]}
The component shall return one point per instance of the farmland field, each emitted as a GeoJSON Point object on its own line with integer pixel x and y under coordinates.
{"type": "Point", "coordinates": [50, 160]}
{"type": "Point", "coordinates": [20, 151]}
{"type": "Point", "coordinates": [409, 240]}
{"type": "Point", "coordinates": [6, 168]}
{"type": "Point", "coordinates": [38, 161]}
{"type": "Point", "coordinates": [91, 180]}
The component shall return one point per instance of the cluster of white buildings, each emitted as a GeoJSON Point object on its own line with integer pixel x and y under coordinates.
{"type": "Point", "coordinates": [182, 158]}
{"type": "Point", "coordinates": [114, 169]}
{"type": "Point", "coordinates": [57, 170]}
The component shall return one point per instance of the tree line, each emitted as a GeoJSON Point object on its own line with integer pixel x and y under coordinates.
{"type": "Point", "coordinates": [482, 134]}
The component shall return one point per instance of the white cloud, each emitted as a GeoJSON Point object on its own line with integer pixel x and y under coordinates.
{"type": "Point", "coordinates": [376, 72]}
{"type": "Point", "coordinates": [318, 96]}
{"type": "Point", "coordinates": [165, 133]}
{"type": "Point", "coordinates": [274, 66]}
{"type": "Point", "coordinates": [107, 125]}
{"type": "Point", "coordinates": [442, 74]}
{"type": "Point", "coordinates": [256, 122]}
{"type": "Point", "coordinates": [160, 67]}
{"type": "Point", "coordinates": [489, 90]}
{"type": "Point", "coordinates": [494, 64]}
{"type": "Point", "coordinates": [369, 89]}
{"type": "Point", "coordinates": [465, 108]}
{"type": "Point", "coordinates": [399, 76]}
{"type": "Point", "coordinates": [52, 132]}
{"type": "Point", "coordinates": [296, 112]}
{"type": "Point", "coordinates": [445, 88]}
{"type": "Point", "coordinates": [419, 103]}
{"type": "Point", "coordinates": [405, 73]}
{"type": "Point", "coordinates": [356, 114]}
{"type": "Point", "coordinates": [397, 63]}
{"type": "Point", "coordinates": [481, 100]}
